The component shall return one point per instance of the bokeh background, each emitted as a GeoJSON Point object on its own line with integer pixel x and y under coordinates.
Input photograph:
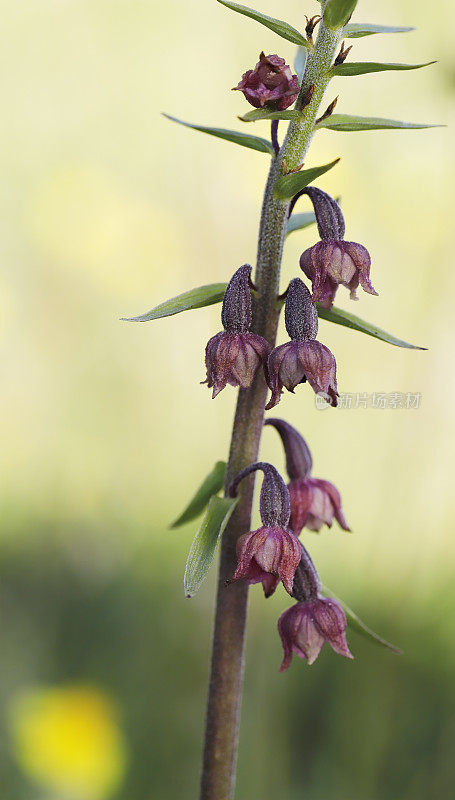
{"type": "Point", "coordinates": [107, 209]}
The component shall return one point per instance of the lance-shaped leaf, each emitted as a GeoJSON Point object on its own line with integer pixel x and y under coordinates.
{"type": "Point", "coordinates": [283, 29]}
{"type": "Point", "coordinates": [365, 67]}
{"type": "Point", "coordinates": [211, 485]}
{"type": "Point", "coordinates": [204, 543]}
{"type": "Point", "coordinates": [244, 139]}
{"type": "Point", "coordinates": [344, 318]}
{"type": "Point", "coordinates": [337, 12]}
{"type": "Point", "coordinates": [195, 298]}
{"type": "Point", "coordinates": [265, 113]}
{"type": "Point", "coordinates": [356, 624]}
{"type": "Point", "coordinates": [299, 221]}
{"type": "Point", "coordinates": [351, 122]}
{"type": "Point", "coordinates": [288, 185]}
{"type": "Point", "coordinates": [300, 62]}
{"type": "Point", "coordinates": [355, 30]}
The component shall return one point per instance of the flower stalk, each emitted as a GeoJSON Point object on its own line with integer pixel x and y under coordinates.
{"type": "Point", "coordinates": [225, 687]}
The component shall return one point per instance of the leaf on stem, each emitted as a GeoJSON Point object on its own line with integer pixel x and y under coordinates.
{"type": "Point", "coordinates": [299, 221]}
{"type": "Point", "coordinates": [337, 12]}
{"type": "Point", "coordinates": [283, 29]}
{"type": "Point", "coordinates": [356, 30]}
{"type": "Point", "coordinates": [365, 67]}
{"type": "Point", "coordinates": [356, 624]}
{"type": "Point", "coordinates": [244, 139]}
{"type": "Point", "coordinates": [300, 62]}
{"type": "Point", "coordinates": [351, 122]}
{"type": "Point", "coordinates": [265, 113]}
{"type": "Point", "coordinates": [204, 543]}
{"type": "Point", "coordinates": [347, 320]}
{"type": "Point", "coordinates": [288, 185]}
{"type": "Point", "coordinates": [211, 485]}
{"type": "Point", "coordinates": [195, 298]}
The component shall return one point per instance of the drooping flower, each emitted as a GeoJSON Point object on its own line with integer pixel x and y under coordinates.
{"type": "Point", "coordinates": [314, 502]}
{"type": "Point", "coordinates": [234, 355]}
{"type": "Point", "coordinates": [271, 83]}
{"type": "Point", "coordinates": [307, 626]}
{"type": "Point", "coordinates": [303, 358]}
{"type": "Point", "coordinates": [333, 261]}
{"type": "Point", "coordinates": [271, 553]}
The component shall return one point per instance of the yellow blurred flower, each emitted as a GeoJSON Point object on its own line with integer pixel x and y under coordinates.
{"type": "Point", "coordinates": [68, 740]}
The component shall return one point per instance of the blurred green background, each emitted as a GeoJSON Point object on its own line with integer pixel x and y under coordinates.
{"type": "Point", "coordinates": [107, 209]}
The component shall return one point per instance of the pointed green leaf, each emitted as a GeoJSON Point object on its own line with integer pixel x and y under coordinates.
{"type": "Point", "coordinates": [204, 543]}
{"type": "Point", "coordinates": [244, 139]}
{"type": "Point", "coordinates": [350, 122]}
{"type": "Point", "coordinates": [358, 29]}
{"type": "Point", "coordinates": [288, 185]}
{"type": "Point", "coordinates": [300, 62]}
{"type": "Point", "coordinates": [195, 298]}
{"type": "Point", "coordinates": [211, 485]}
{"type": "Point", "coordinates": [337, 12]}
{"type": "Point", "coordinates": [365, 67]}
{"type": "Point", "coordinates": [299, 221]}
{"type": "Point", "coordinates": [341, 317]}
{"type": "Point", "coordinates": [283, 29]}
{"type": "Point", "coordinates": [265, 113]}
{"type": "Point", "coordinates": [356, 624]}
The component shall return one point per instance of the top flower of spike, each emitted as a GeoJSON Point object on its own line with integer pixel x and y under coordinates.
{"type": "Point", "coordinates": [271, 83]}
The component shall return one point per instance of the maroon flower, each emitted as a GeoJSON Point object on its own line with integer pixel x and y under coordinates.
{"type": "Point", "coordinates": [333, 261]}
{"type": "Point", "coordinates": [267, 556]}
{"type": "Point", "coordinates": [305, 627]}
{"type": "Point", "coordinates": [297, 362]}
{"type": "Point", "coordinates": [271, 83]}
{"type": "Point", "coordinates": [314, 503]}
{"type": "Point", "coordinates": [234, 355]}
{"type": "Point", "coordinates": [302, 359]}
{"type": "Point", "coordinates": [271, 553]}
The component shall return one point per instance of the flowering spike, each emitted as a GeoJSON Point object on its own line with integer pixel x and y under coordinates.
{"type": "Point", "coordinates": [271, 83]}
{"type": "Point", "coordinates": [298, 457]}
{"type": "Point", "coordinates": [305, 627]}
{"type": "Point", "coordinates": [236, 311]}
{"type": "Point", "coordinates": [329, 217]}
{"type": "Point", "coordinates": [301, 317]}
{"type": "Point", "coordinates": [274, 502]}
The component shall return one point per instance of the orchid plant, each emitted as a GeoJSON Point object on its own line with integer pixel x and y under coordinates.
{"type": "Point", "coordinates": [244, 355]}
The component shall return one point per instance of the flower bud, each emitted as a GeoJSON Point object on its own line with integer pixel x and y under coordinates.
{"type": "Point", "coordinates": [271, 83]}
{"type": "Point", "coordinates": [235, 355]}
{"type": "Point", "coordinates": [305, 627]}
{"type": "Point", "coordinates": [298, 457]}
{"type": "Point", "coordinates": [271, 553]}
{"type": "Point", "coordinates": [300, 315]}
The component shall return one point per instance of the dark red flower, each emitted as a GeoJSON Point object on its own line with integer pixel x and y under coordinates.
{"type": "Point", "coordinates": [268, 555]}
{"type": "Point", "coordinates": [314, 503]}
{"type": "Point", "coordinates": [331, 263]}
{"type": "Point", "coordinates": [271, 83]}
{"type": "Point", "coordinates": [297, 362]}
{"type": "Point", "coordinates": [234, 355]}
{"type": "Point", "coordinates": [305, 627]}
{"type": "Point", "coordinates": [234, 358]}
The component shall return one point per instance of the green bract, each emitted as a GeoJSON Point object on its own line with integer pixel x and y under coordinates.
{"type": "Point", "coordinates": [211, 485]}
{"type": "Point", "coordinates": [351, 122]}
{"type": "Point", "coordinates": [244, 139]}
{"type": "Point", "coordinates": [365, 67]}
{"type": "Point", "coordinates": [204, 543]}
{"type": "Point", "coordinates": [337, 12]}
{"type": "Point", "coordinates": [283, 29]}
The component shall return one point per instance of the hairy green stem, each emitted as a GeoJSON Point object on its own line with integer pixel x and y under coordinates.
{"type": "Point", "coordinates": [225, 688]}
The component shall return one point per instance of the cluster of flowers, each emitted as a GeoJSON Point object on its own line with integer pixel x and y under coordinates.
{"type": "Point", "coordinates": [274, 553]}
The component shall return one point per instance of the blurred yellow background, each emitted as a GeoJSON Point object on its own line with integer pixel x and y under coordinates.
{"type": "Point", "coordinates": [107, 209]}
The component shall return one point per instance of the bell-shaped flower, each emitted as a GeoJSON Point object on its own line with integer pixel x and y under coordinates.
{"type": "Point", "coordinates": [271, 83]}
{"type": "Point", "coordinates": [307, 626]}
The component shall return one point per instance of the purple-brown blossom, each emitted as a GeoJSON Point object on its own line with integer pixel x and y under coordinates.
{"type": "Point", "coordinates": [271, 553]}
{"type": "Point", "coordinates": [234, 355]}
{"type": "Point", "coordinates": [302, 359]}
{"type": "Point", "coordinates": [333, 261]}
{"type": "Point", "coordinates": [314, 503]}
{"type": "Point", "coordinates": [271, 83]}
{"type": "Point", "coordinates": [307, 626]}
